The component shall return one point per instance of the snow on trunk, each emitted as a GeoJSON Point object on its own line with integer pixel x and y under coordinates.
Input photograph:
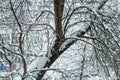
{"type": "Point", "coordinates": [37, 65]}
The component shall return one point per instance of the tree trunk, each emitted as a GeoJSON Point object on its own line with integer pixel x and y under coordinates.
{"type": "Point", "coordinates": [58, 10]}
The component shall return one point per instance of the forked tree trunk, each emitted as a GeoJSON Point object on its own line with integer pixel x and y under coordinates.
{"type": "Point", "coordinates": [58, 10]}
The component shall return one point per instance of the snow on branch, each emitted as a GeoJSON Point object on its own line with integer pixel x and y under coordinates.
{"type": "Point", "coordinates": [38, 64]}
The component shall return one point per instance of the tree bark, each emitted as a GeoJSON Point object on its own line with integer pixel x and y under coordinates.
{"type": "Point", "coordinates": [60, 38]}
{"type": "Point", "coordinates": [58, 10]}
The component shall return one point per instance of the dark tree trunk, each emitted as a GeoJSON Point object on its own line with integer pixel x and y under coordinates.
{"type": "Point", "coordinates": [58, 10]}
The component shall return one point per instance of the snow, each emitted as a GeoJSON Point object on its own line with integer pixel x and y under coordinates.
{"type": "Point", "coordinates": [65, 43]}
{"type": "Point", "coordinates": [3, 74]}
{"type": "Point", "coordinates": [38, 64]}
{"type": "Point", "coordinates": [74, 30]}
{"type": "Point", "coordinates": [69, 63]}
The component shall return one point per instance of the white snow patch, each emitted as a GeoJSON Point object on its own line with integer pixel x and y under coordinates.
{"type": "Point", "coordinates": [39, 63]}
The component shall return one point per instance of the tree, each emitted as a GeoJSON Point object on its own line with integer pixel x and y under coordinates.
{"type": "Point", "coordinates": [71, 21]}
